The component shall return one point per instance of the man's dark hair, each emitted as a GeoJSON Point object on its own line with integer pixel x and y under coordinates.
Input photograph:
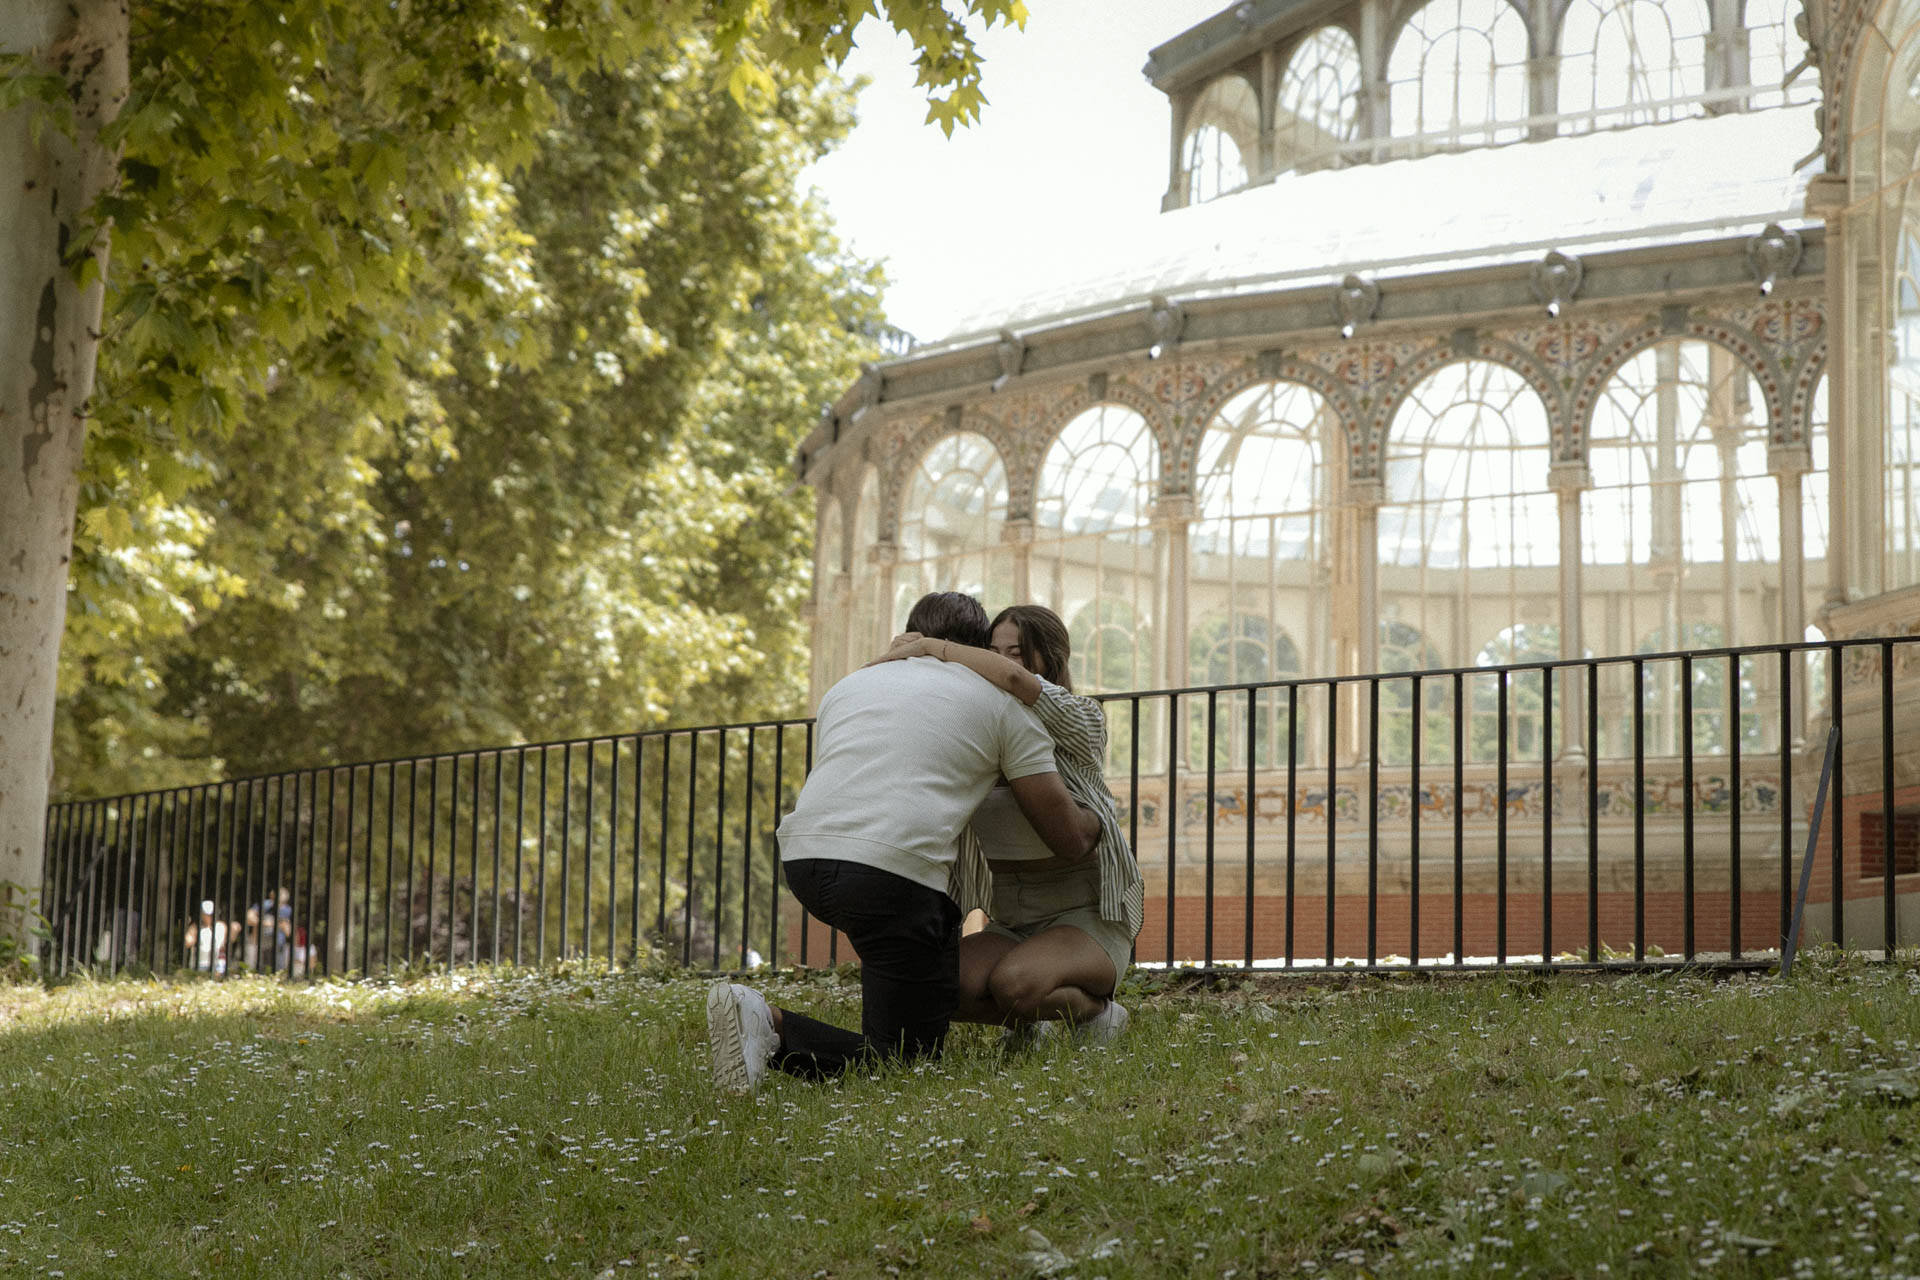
{"type": "Point", "coordinates": [950, 615]}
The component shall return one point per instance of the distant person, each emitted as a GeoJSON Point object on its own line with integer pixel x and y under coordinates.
{"type": "Point", "coordinates": [906, 753]}
{"type": "Point", "coordinates": [207, 941]}
{"type": "Point", "coordinates": [1060, 931]}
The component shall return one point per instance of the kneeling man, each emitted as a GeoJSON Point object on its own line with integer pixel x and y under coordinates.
{"type": "Point", "coordinates": [906, 751]}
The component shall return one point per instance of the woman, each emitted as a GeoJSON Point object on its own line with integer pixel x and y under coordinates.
{"type": "Point", "coordinates": [1060, 933]}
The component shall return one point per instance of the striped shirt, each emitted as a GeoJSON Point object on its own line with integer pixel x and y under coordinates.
{"type": "Point", "coordinates": [1078, 727]}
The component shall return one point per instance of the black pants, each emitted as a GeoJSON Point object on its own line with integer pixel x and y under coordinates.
{"type": "Point", "coordinates": [908, 937]}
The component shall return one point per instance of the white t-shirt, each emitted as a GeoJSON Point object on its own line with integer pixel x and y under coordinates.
{"type": "Point", "coordinates": [905, 753]}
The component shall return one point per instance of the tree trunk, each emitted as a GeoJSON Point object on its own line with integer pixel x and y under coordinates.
{"type": "Point", "coordinates": [49, 337]}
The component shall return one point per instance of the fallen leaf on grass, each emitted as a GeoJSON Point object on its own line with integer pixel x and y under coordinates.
{"type": "Point", "coordinates": [982, 1223]}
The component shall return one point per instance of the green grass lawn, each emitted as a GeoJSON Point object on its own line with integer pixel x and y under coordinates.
{"type": "Point", "coordinates": [561, 1124]}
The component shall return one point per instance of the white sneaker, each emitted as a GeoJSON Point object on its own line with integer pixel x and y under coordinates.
{"type": "Point", "coordinates": [1026, 1036]}
{"type": "Point", "coordinates": [740, 1033]}
{"type": "Point", "coordinates": [1103, 1028]}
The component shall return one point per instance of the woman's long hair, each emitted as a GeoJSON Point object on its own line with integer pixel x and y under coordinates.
{"type": "Point", "coordinates": [1044, 646]}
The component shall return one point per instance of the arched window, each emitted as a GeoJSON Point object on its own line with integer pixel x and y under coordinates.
{"type": "Point", "coordinates": [869, 609]}
{"type": "Point", "coordinates": [1458, 74]}
{"type": "Point", "coordinates": [1318, 105]}
{"type": "Point", "coordinates": [1682, 523]}
{"type": "Point", "coordinates": [830, 623]}
{"type": "Point", "coordinates": [1775, 47]}
{"type": "Point", "coordinates": [952, 524]}
{"type": "Point", "coordinates": [1469, 540]}
{"type": "Point", "coordinates": [1631, 61]}
{"type": "Point", "coordinates": [1223, 131]}
{"type": "Point", "coordinates": [1094, 550]}
{"type": "Point", "coordinates": [1259, 545]}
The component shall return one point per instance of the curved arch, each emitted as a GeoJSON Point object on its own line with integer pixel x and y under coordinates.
{"type": "Point", "coordinates": [1799, 421]}
{"type": "Point", "coordinates": [1059, 413]}
{"type": "Point", "coordinates": [1610, 359]}
{"type": "Point", "coordinates": [1183, 457]}
{"type": "Point", "coordinates": [906, 451]}
{"type": "Point", "coordinates": [951, 535]}
{"type": "Point", "coordinates": [1220, 139]}
{"type": "Point", "coordinates": [1259, 544]}
{"type": "Point", "coordinates": [1459, 68]}
{"type": "Point", "coordinates": [1063, 500]}
{"type": "Point", "coordinates": [1627, 61]}
{"type": "Point", "coordinates": [1484, 348]}
{"type": "Point", "coordinates": [1316, 107]}
{"type": "Point", "coordinates": [1467, 532]}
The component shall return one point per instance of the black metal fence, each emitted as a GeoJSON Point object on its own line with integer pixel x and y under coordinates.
{"type": "Point", "coordinates": [1647, 809]}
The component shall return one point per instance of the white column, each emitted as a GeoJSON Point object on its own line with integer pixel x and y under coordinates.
{"type": "Point", "coordinates": [1569, 480]}
{"type": "Point", "coordinates": [1173, 513]}
{"type": "Point", "coordinates": [1017, 533]}
{"type": "Point", "coordinates": [1826, 197]}
{"type": "Point", "coordinates": [1788, 464]}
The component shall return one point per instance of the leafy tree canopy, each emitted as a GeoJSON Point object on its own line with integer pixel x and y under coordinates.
{"type": "Point", "coordinates": [452, 357]}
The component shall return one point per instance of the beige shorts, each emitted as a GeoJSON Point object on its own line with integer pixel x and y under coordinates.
{"type": "Point", "coordinates": [1026, 903]}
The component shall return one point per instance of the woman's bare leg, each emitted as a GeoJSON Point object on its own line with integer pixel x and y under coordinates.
{"type": "Point", "coordinates": [979, 954]}
{"type": "Point", "coordinates": [1060, 974]}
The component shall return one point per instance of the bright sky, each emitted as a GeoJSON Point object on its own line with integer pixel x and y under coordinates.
{"type": "Point", "coordinates": [1072, 132]}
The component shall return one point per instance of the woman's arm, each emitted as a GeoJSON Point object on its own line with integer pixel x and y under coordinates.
{"type": "Point", "coordinates": [1003, 673]}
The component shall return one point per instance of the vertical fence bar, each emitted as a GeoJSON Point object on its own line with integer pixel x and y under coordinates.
{"type": "Point", "coordinates": [519, 851]}
{"type": "Point", "coordinates": [1734, 786]}
{"type": "Point", "coordinates": [1133, 782]}
{"type": "Point", "coordinates": [613, 857]}
{"type": "Point", "coordinates": [1500, 820]}
{"type": "Point", "coordinates": [473, 866]}
{"type": "Point", "coordinates": [1890, 929]}
{"type": "Point", "coordinates": [746, 855]}
{"type": "Point", "coordinates": [1333, 804]}
{"type": "Point", "coordinates": [346, 878]}
{"type": "Point", "coordinates": [1787, 662]}
{"type": "Point", "coordinates": [499, 779]}
{"type": "Point", "coordinates": [1251, 809]}
{"type": "Point", "coordinates": [1639, 813]}
{"type": "Point", "coordinates": [540, 872]}
{"type": "Point", "coordinates": [1593, 812]}
{"type": "Point", "coordinates": [1373, 821]}
{"type": "Point", "coordinates": [433, 851]}
{"type": "Point", "coordinates": [155, 911]}
{"type": "Point", "coordinates": [1293, 805]}
{"type": "Point", "coordinates": [1836, 680]}
{"type": "Point", "coordinates": [808, 769]}
{"type": "Point", "coordinates": [1459, 819]}
{"type": "Point", "coordinates": [693, 792]}
{"type": "Point", "coordinates": [719, 843]}
{"type": "Point", "coordinates": [1686, 790]}
{"type": "Point", "coordinates": [773, 843]}
{"type": "Point", "coordinates": [1546, 811]}
{"type": "Point", "coordinates": [566, 845]}
{"type": "Point", "coordinates": [1416, 800]}
{"type": "Point", "coordinates": [593, 829]}
{"type": "Point", "coordinates": [639, 789]}
{"type": "Point", "coordinates": [1213, 707]}
{"type": "Point", "coordinates": [413, 826]}
{"type": "Point", "coordinates": [666, 786]}
{"type": "Point", "coordinates": [1173, 810]}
